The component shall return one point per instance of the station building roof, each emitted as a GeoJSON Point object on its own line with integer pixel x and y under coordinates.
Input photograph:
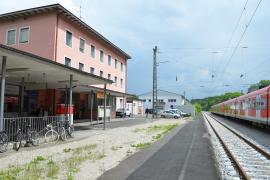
{"type": "Point", "coordinates": [41, 73]}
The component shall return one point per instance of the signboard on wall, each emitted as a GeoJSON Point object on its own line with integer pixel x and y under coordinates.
{"type": "Point", "coordinates": [101, 111]}
{"type": "Point", "coordinates": [12, 89]}
{"type": "Point", "coordinates": [100, 95]}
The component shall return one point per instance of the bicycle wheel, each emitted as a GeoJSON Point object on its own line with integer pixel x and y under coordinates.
{"type": "Point", "coordinates": [18, 141]}
{"type": "Point", "coordinates": [51, 136]}
{"type": "Point", "coordinates": [3, 142]}
{"type": "Point", "coordinates": [34, 138]}
{"type": "Point", "coordinates": [70, 131]}
{"type": "Point", "coordinates": [63, 133]}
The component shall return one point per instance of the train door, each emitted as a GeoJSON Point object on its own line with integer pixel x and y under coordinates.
{"type": "Point", "coordinates": [258, 107]}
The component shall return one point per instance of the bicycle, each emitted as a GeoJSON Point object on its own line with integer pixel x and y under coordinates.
{"type": "Point", "coordinates": [3, 141]}
{"type": "Point", "coordinates": [31, 136]}
{"type": "Point", "coordinates": [51, 135]}
{"type": "Point", "coordinates": [69, 128]}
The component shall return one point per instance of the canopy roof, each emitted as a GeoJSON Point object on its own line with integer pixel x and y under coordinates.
{"type": "Point", "coordinates": [42, 73]}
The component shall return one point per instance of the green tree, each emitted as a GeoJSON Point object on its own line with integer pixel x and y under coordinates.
{"type": "Point", "coordinates": [261, 84]}
{"type": "Point", "coordinates": [198, 107]}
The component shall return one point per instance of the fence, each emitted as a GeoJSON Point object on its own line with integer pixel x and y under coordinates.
{"type": "Point", "coordinates": [39, 124]}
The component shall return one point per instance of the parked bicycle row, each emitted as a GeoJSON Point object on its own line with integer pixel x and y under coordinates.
{"type": "Point", "coordinates": [26, 135]}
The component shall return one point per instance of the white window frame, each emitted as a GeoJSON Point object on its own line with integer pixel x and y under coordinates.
{"type": "Point", "coordinates": [101, 73]}
{"type": "Point", "coordinates": [100, 55]}
{"type": "Point", "coordinates": [115, 63]}
{"type": "Point", "coordinates": [65, 61]}
{"type": "Point", "coordinates": [28, 34]}
{"type": "Point", "coordinates": [108, 60]}
{"type": "Point", "coordinates": [66, 38]}
{"type": "Point", "coordinates": [80, 38]}
{"type": "Point", "coordinates": [82, 66]}
{"type": "Point", "coordinates": [15, 36]}
{"type": "Point", "coordinates": [94, 51]}
{"type": "Point", "coordinates": [121, 82]}
{"type": "Point", "coordinates": [91, 70]}
{"type": "Point", "coordinates": [115, 81]}
{"type": "Point", "coordinates": [122, 67]}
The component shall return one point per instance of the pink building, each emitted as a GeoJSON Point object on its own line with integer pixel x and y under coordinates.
{"type": "Point", "coordinates": [55, 33]}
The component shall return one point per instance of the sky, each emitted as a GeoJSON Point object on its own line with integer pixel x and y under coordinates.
{"type": "Point", "coordinates": [195, 39]}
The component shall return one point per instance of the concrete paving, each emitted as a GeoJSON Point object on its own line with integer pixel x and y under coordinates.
{"type": "Point", "coordinates": [183, 154]}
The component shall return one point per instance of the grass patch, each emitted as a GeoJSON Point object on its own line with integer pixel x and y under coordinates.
{"type": "Point", "coordinates": [140, 145]}
{"type": "Point", "coordinates": [84, 148]}
{"type": "Point", "coordinates": [156, 137]}
{"type": "Point", "coordinates": [139, 130]}
{"type": "Point", "coordinates": [52, 169]}
{"type": "Point", "coordinates": [10, 173]}
{"type": "Point", "coordinates": [66, 150]}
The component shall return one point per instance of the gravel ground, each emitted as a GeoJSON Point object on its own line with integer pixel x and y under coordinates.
{"type": "Point", "coordinates": [257, 134]}
{"type": "Point", "coordinates": [111, 147]}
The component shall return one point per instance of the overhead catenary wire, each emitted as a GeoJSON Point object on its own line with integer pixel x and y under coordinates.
{"type": "Point", "coordinates": [241, 37]}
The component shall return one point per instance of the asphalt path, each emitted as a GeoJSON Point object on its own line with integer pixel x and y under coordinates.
{"type": "Point", "coordinates": [187, 155]}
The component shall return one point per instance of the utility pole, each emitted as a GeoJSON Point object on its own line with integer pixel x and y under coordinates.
{"type": "Point", "coordinates": [154, 99]}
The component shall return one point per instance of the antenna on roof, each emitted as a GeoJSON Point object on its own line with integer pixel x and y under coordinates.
{"type": "Point", "coordinates": [81, 9]}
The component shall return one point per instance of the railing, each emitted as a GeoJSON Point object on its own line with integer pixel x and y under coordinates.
{"type": "Point", "coordinates": [36, 123]}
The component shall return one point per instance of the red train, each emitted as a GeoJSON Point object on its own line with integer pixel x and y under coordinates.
{"type": "Point", "coordinates": [254, 107]}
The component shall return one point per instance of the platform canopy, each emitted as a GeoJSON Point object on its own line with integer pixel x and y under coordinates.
{"type": "Point", "coordinates": [41, 73]}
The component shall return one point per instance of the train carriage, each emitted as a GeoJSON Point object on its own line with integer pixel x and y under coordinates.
{"type": "Point", "coordinates": [253, 107]}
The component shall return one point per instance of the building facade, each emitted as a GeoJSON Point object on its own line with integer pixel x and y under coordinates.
{"type": "Point", "coordinates": [166, 100]}
{"type": "Point", "coordinates": [55, 33]}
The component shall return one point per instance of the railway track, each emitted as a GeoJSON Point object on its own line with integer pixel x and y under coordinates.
{"type": "Point", "coordinates": [250, 160]}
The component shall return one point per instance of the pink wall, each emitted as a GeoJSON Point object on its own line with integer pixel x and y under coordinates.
{"type": "Point", "coordinates": [78, 57]}
{"type": "Point", "coordinates": [41, 37]}
{"type": "Point", "coordinates": [42, 42]}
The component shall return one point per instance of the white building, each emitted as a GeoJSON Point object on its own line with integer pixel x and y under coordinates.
{"type": "Point", "coordinates": [166, 100]}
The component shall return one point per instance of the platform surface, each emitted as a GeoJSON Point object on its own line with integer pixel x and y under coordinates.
{"type": "Point", "coordinates": [184, 154]}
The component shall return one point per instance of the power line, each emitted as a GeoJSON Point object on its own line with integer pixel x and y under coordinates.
{"type": "Point", "coordinates": [242, 36]}
{"type": "Point", "coordinates": [234, 29]}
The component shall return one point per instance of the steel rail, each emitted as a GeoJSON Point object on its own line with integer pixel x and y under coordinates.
{"type": "Point", "coordinates": [239, 168]}
{"type": "Point", "coordinates": [254, 146]}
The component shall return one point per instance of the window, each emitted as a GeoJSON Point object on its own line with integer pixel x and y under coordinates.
{"type": "Point", "coordinates": [121, 83]}
{"type": "Point", "coordinates": [109, 76]}
{"type": "Point", "coordinates": [101, 56]}
{"type": "Point", "coordinates": [122, 67]}
{"type": "Point", "coordinates": [67, 61]}
{"type": "Point", "coordinates": [82, 43]}
{"type": "Point", "coordinates": [144, 100]}
{"type": "Point", "coordinates": [115, 81]}
{"type": "Point", "coordinates": [93, 51]}
{"type": "Point", "coordinates": [115, 63]}
{"type": "Point", "coordinates": [68, 38]}
{"type": "Point", "coordinates": [92, 70]}
{"type": "Point", "coordinates": [171, 100]}
{"type": "Point", "coordinates": [149, 100]}
{"type": "Point", "coordinates": [101, 73]}
{"type": "Point", "coordinates": [109, 60]}
{"type": "Point", "coordinates": [81, 66]}
{"type": "Point", "coordinates": [11, 37]}
{"type": "Point", "coordinates": [24, 35]}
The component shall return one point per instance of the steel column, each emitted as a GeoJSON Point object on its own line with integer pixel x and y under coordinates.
{"type": "Point", "coordinates": [91, 107]}
{"type": "Point", "coordinates": [70, 98]}
{"type": "Point", "coordinates": [2, 95]}
{"type": "Point", "coordinates": [104, 115]}
{"type": "Point", "coordinates": [22, 97]}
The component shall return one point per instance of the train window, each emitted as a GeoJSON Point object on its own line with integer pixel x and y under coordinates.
{"type": "Point", "coordinates": [263, 103]}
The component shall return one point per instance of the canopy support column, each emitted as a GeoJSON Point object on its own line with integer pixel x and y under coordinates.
{"type": "Point", "coordinates": [22, 97]}
{"type": "Point", "coordinates": [70, 100]}
{"type": "Point", "coordinates": [2, 95]}
{"type": "Point", "coordinates": [105, 99]}
{"type": "Point", "coordinates": [91, 107]}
